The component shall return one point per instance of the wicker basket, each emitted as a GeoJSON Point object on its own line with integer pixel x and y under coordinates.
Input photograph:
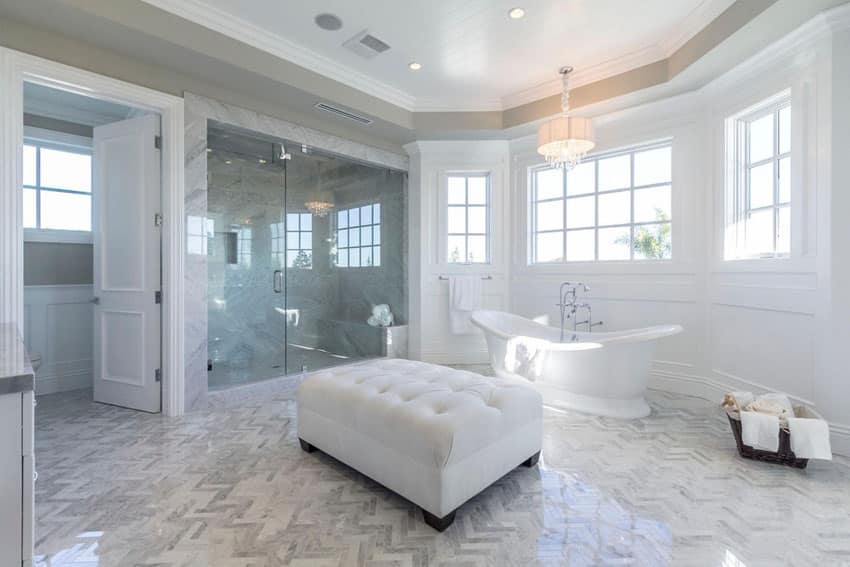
{"type": "Point", "coordinates": [784, 456]}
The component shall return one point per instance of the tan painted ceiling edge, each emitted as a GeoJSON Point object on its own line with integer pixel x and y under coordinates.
{"type": "Point", "coordinates": [730, 21]}
{"type": "Point", "coordinates": [174, 29]}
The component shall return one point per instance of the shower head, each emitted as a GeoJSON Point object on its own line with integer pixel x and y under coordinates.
{"type": "Point", "coordinates": [284, 155]}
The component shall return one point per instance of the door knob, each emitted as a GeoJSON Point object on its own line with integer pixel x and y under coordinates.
{"type": "Point", "coordinates": [96, 300]}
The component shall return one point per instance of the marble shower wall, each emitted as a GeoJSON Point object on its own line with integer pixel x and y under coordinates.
{"type": "Point", "coordinates": [325, 294]}
{"type": "Point", "coordinates": [195, 302]}
{"type": "Point", "coordinates": [361, 288]}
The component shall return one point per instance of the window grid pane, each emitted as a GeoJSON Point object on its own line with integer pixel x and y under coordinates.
{"type": "Point", "coordinates": [358, 237]}
{"type": "Point", "coordinates": [468, 219]}
{"type": "Point", "coordinates": [57, 184]}
{"type": "Point", "coordinates": [764, 196]}
{"type": "Point", "coordinates": [616, 207]}
{"type": "Point", "coordinates": [299, 240]}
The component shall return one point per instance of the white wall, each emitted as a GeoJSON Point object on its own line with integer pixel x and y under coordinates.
{"type": "Point", "coordinates": [430, 163]}
{"type": "Point", "coordinates": [58, 324]}
{"type": "Point", "coordinates": [772, 324]}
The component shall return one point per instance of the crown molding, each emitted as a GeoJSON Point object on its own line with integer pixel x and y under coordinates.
{"type": "Point", "coordinates": [586, 76]}
{"type": "Point", "coordinates": [241, 30]}
{"type": "Point", "coordinates": [692, 24]}
{"type": "Point", "coordinates": [797, 42]}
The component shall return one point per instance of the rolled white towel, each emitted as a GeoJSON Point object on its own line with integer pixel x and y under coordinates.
{"type": "Point", "coordinates": [809, 438]}
{"type": "Point", "coordinates": [760, 430]}
{"type": "Point", "coordinates": [774, 404]}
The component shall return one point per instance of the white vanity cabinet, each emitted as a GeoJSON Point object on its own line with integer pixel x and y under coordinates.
{"type": "Point", "coordinates": [16, 479]}
{"type": "Point", "coordinates": [17, 460]}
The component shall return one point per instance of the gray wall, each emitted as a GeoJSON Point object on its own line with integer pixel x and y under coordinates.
{"type": "Point", "coordinates": [84, 41]}
{"type": "Point", "coordinates": [48, 263]}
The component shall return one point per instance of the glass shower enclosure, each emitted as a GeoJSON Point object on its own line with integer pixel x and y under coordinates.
{"type": "Point", "coordinates": [301, 246]}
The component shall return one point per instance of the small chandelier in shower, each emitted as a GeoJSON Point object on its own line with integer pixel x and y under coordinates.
{"type": "Point", "coordinates": [564, 140]}
{"type": "Point", "coordinates": [319, 208]}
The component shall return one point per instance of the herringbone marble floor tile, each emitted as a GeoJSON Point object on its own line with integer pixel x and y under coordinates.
{"type": "Point", "coordinates": [230, 487]}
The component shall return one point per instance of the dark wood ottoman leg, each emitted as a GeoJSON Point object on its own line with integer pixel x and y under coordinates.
{"type": "Point", "coordinates": [439, 524]}
{"type": "Point", "coordinates": [532, 460]}
{"type": "Point", "coordinates": [306, 446]}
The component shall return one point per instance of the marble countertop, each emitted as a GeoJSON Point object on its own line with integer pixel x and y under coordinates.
{"type": "Point", "coordinates": [16, 373]}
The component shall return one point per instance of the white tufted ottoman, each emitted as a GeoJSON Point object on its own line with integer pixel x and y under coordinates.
{"type": "Point", "coordinates": [435, 435]}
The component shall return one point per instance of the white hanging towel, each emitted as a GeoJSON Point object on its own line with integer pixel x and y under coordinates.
{"type": "Point", "coordinates": [464, 298]}
{"type": "Point", "coordinates": [809, 438]}
{"type": "Point", "coordinates": [760, 430]}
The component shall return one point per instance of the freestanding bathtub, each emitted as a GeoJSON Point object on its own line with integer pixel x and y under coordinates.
{"type": "Point", "coordinates": [603, 373]}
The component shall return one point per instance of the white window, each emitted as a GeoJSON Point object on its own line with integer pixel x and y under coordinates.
{"type": "Point", "coordinates": [758, 191]}
{"type": "Point", "coordinates": [299, 240]}
{"type": "Point", "coordinates": [358, 237]}
{"type": "Point", "coordinates": [615, 206]}
{"type": "Point", "coordinates": [468, 198]}
{"type": "Point", "coordinates": [57, 185]}
{"type": "Point", "coordinates": [199, 232]}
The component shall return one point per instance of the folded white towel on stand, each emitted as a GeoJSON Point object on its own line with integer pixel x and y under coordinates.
{"type": "Point", "coordinates": [464, 298]}
{"type": "Point", "coordinates": [809, 438]}
{"type": "Point", "coordinates": [760, 430]}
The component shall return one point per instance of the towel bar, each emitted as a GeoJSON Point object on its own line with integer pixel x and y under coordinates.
{"type": "Point", "coordinates": [482, 277]}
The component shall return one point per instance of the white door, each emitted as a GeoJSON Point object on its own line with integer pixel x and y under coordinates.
{"type": "Point", "coordinates": [127, 263]}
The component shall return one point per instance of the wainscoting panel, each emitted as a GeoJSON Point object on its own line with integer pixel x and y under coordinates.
{"type": "Point", "coordinates": [59, 326]}
{"type": "Point", "coordinates": [774, 349]}
{"type": "Point", "coordinates": [439, 345]}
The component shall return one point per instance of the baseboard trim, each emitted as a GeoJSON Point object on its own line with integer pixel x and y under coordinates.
{"type": "Point", "coordinates": [713, 390]}
{"type": "Point", "coordinates": [79, 380]}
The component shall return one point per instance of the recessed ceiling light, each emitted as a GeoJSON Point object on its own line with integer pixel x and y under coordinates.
{"type": "Point", "coordinates": [516, 13]}
{"type": "Point", "coordinates": [328, 22]}
{"type": "Point", "coordinates": [414, 66]}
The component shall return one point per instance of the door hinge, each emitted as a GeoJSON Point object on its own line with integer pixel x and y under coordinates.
{"type": "Point", "coordinates": [157, 219]}
{"type": "Point", "coordinates": [157, 142]}
{"type": "Point", "coordinates": [157, 297]}
{"type": "Point", "coordinates": [157, 375]}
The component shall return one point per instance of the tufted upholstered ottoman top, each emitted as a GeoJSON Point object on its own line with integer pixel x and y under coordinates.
{"type": "Point", "coordinates": [434, 415]}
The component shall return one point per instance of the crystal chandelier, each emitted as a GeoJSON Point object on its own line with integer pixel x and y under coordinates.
{"type": "Point", "coordinates": [565, 140]}
{"type": "Point", "coordinates": [319, 208]}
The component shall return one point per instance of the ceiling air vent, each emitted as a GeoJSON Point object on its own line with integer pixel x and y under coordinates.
{"type": "Point", "coordinates": [366, 45]}
{"type": "Point", "coordinates": [344, 113]}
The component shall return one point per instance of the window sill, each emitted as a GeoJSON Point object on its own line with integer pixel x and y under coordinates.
{"type": "Point", "coordinates": [57, 236]}
{"type": "Point", "coordinates": [609, 267]}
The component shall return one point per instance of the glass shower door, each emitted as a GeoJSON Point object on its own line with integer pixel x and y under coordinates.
{"type": "Point", "coordinates": [311, 287]}
{"type": "Point", "coordinates": [246, 238]}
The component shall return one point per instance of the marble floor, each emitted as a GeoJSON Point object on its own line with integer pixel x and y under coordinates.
{"type": "Point", "coordinates": [229, 486]}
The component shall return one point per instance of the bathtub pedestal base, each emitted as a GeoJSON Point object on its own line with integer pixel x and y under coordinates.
{"type": "Point", "coordinates": [609, 407]}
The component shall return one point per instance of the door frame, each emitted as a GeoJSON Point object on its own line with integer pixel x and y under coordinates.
{"type": "Point", "coordinates": [16, 68]}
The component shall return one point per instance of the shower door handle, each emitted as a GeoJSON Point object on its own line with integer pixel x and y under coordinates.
{"type": "Point", "coordinates": [276, 281]}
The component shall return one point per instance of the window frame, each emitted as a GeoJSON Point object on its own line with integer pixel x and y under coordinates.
{"type": "Point", "coordinates": [376, 223]}
{"type": "Point", "coordinates": [596, 227]}
{"type": "Point", "coordinates": [738, 187]}
{"type": "Point", "coordinates": [487, 206]}
{"type": "Point", "coordinates": [40, 139]}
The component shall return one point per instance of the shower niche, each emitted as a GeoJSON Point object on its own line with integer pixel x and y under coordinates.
{"type": "Point", "coordinates": [301, 245]}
